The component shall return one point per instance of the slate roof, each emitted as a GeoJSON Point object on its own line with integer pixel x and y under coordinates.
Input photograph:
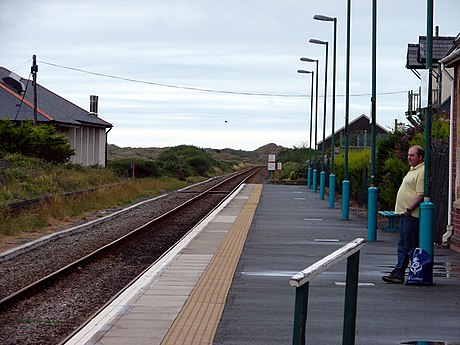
{"type": "Point", "coordinates": [362, 122]}
{"type": "Point", "coordinates": [416, 53]}
{"type": "Point", "coordinates": [51, 108]}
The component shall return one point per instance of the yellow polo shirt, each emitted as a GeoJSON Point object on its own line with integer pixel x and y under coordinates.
{"type": "Point", "coordinates": [412, 184]}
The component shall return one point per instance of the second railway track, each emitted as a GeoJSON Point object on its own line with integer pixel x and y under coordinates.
{"type": "Point", "coordinates": [47, 312]}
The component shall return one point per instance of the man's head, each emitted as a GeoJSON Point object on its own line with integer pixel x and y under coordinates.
{"type": "Point", "coordinates": [415, 155]}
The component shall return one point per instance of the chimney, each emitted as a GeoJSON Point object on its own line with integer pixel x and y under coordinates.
{"type": "Point", "coordinates": [436, 31]}
{"type": "Point", "coordinates": [93, 105]}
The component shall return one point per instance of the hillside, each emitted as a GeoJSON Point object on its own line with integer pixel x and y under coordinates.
{"type": "Point", "coordinates": [259, 156]}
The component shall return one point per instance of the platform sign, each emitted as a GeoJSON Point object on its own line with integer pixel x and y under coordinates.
{"type": "Point", "coordinates": [271, 166]}
{"type": "Point", "coordinates": [271, 158]}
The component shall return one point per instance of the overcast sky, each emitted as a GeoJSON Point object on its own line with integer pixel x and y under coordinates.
{"type": "Point", "coordinates": [242, 46]}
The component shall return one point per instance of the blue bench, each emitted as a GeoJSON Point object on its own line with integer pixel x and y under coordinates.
{"type": "Point", "coordinates": [392, 220]}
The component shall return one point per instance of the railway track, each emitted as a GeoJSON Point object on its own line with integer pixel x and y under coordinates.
{"type": "Point", "coordinates": [47, 310]}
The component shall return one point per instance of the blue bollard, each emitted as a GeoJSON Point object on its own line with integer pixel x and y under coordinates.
{"type": "Point", "coordinates": [315, 180]}
{"type": "Point", "coordinates": [372, 213]}
{"type": "Point", "coordinates": [322, 184]}
{"type": "Point", "coordinates": [345, 199]}
{"type": "Point", "coordinates": [331, 190]}
{"type": "Point", "coordinates": [309, 177]}
{"type": "Point", "coordinates": [426, 227]}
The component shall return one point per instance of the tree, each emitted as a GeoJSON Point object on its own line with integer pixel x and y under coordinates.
{"type": "Point", "coordinates": [34, 141]}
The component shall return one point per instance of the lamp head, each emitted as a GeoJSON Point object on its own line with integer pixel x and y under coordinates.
{"type": "Point", "coordinates": [307, 59]}
{"type": "Point", "coordinates": [303, 71]}
{"type": "Point", "coordinates": [324, 18]}
{"type": "Point", "coordinates": [315, 41]}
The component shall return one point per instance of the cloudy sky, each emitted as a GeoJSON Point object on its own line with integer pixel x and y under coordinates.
{"type": "Point", "coordinates": [210, 73]}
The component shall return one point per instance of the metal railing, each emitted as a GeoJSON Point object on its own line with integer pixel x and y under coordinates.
{"type": "Point", "coordinates": [301, 282]}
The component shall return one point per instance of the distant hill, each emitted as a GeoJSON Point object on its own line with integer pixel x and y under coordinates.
{"type": "Point", "coordinates": [259, 156]}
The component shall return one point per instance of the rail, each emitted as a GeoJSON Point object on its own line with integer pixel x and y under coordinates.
{"type": "Point", "coordinates": [301, 282]}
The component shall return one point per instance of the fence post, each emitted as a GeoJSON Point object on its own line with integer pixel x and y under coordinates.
{"type": "Point", "coordinates": [300, 314]}
{"type": "Point", "coordinates": [351, 299]}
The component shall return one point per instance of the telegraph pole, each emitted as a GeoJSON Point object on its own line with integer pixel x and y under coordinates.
{"type": "Point", "coordinates": [34, 71]}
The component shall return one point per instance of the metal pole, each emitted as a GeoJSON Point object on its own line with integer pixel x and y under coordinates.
{"type": "Point", "coordinates": [345, 182]}
{"type": "Point", "coordinates": [331, 175]}
{"type": "Point", "coordinates": [351, 299]}
{"type": "Point", "coordinates": [34, 71]}
{"type": "Point", "coordinates": [323, 172]}
{"type": "Point", "coordinates": [300, 314]}
{"type": "Point", "coordinates": [311, 120]}
{"type": "Point", "coordinates": [373, 191]}
{"type": "Point", "coordinates": [427, 208]}
{"type": "Point", "coordinates": [315, 170]}
{"type": "Point", "coordinates": [311, 125]}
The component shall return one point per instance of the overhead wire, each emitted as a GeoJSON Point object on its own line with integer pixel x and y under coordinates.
{"type": "Point", "coordinates": [201, 89]}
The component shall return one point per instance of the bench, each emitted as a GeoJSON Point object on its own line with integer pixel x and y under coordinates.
{"type": "Point", "coordinates": [392, 220]}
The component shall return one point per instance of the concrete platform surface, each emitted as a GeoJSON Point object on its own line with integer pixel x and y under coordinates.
{"type": "Point", "coordinates": [229, 284]}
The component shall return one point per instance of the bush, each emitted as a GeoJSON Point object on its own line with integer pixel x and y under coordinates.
{"type": "Point", "coordinates": [142, 168]}
{"type": "Point", "coordinates": [41, 141]}
{"type": "Point", "coordinates": [186, 160]}
{"type": "Point", "coordinates": [293, 169]}
{"type": "Point", "coordinates": [296, 154]}
{"type": "Point", "coordinates": [394, 170]}
{"type": "Point", "coordinates": [358, 165]}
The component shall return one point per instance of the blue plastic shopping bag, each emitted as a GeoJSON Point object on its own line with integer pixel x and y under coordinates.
{"type": "Point", "coordinates": [421, 268]}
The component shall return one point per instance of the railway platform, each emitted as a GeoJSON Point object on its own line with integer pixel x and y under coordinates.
{"type": "Point", "coordinates": [227, 282]}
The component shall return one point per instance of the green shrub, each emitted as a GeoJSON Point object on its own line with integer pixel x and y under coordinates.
{"type": "Point", "coordinates": [186, 160]}
{"type": "Point", "coordinates": [291, 169]}
{"type": "Point", "coordinates": [142, 168]}
{"type": "Point", "coordinates": [358, 165]}
{"type": "Point", "coordinates": [394, 170]}
{"type": "Point", "coordinates": [296, 154]}
{"type": "Point", "coordinates": [34, 141]}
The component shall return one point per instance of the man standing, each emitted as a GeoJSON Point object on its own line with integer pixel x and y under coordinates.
{"type": "Point", "coordinates": [408, 199]}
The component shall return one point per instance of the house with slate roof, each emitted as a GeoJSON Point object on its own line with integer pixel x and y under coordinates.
{"type": "Point", "coordinates": [86, 131]}
{"type": "Point", "coordinates": [359, 131]}
{"type": "Point", "coordinates": [416, 60]}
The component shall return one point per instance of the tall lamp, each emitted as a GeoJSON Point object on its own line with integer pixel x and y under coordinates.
{"type": "Point", "coordinates": [309, 171]}
{"type": "Point", "coordinates": [315, 168]}
{"type": "Point", "coordinates": [334, 73]}
{"type": "Point", "coordinates": [322, 183]}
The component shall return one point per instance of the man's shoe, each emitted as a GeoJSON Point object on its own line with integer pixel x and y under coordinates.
{"type": "Point", "coordinates": [395, 277]}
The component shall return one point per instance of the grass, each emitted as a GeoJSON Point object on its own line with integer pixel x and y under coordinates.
{"type": "Point", "coordinates": [62, 209]}
{"type": "Point", "coordinates": [29, 178]}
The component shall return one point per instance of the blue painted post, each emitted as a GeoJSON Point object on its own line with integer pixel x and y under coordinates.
{"type": "Point", "coordinates": [309, 177]}
{"type": "Point", "coordinates": [345, 199]}
{"type": "Point", "coordinates": [315, 180]}
{"type": "Point", "coordinates": [331, 190]}
{"type": "Point", "coordinates": [322, 184]}
{"type": "Point", "coordinates": [372, 213]}
{"type": "Point", "coordinates": [426, 226]}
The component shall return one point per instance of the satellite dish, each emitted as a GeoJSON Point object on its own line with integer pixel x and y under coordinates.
{"type": "Point", "coordinates": [14, 81]}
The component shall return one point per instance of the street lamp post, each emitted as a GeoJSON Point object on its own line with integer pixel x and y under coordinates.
{"type": "Point", "coordinates": [332, 176]}
{"type": "Point", "coordinates": [346, 182]}
{"type": "Point", "coordinates": [372, 192]}
{"type": "Point", "coordinates": [427, 207]}
{"type": "Point", "coordinates": [322, 183]}
{"type": "Point", "coordinates": [309, 171]}
{"type": "Point", "coordinates": [315, 168]}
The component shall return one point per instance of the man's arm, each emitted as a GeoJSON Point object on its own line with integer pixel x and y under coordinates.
{"type": "Point", "coordinates": [415, 202]}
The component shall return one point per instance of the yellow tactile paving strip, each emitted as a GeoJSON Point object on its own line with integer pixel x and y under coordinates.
{"type": "Point", "coordinates": [197, 322]}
